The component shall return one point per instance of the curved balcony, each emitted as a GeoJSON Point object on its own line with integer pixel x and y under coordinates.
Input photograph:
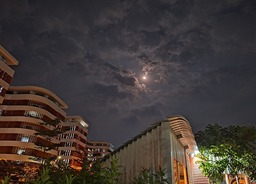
{"type": "Point", "coordinates": [30, 111]}
{"type": "Point", "coordinates": [40, 92]}
{"type": "Point", "coordinates": [15, 157]}
{"type": "Point", "coordinates": [37, 101]}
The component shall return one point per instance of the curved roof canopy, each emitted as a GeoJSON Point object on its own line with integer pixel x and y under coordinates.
{"type": "Point", "coordinates": [181, 129]}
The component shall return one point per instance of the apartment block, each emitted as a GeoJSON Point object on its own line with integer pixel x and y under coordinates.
{"type": "Point", "coordinates": [24, 109]}
{"type": "Point", "coordinates": [73, 141]}
{"type": "Point", "coordinates": [23, 113]}
{"type": "Point", "coordinates": [96, 150]}
{"type": "Point", "coordinates": [6, 72]}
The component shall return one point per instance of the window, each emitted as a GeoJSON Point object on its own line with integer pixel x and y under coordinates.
{"type": "Point", "coordinates": [33, 114]}
{"type": "Point", "coordinates": [35, 104]}
{"type": "Point", "coordinates": [66, 152]}
{"type": "Point", "coordinates": [2, 58]}
{"type": "Point", "coordinates": [68, 144]}
{"type": "Point", "coordinates": [24, 139]}
{"type": "Point", "coordinates": [72, 128]}
{"type": "Point", "coordinates": [20, 151]}
{"type": "Point", "coordinates": [69, 136]}
{"type": "Point", "coordinates": [66, 161]}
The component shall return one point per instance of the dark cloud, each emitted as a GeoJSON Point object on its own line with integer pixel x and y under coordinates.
{"type": "Point", "coordinates": [198, 57]}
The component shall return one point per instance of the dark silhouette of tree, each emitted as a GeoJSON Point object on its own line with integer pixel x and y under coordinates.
{"type": "Point", "coordinates": [49, 134]}
{"type": "Point", "coordinates": [96, 173]}
{"type": "Point", "coordinates": [147, 176]}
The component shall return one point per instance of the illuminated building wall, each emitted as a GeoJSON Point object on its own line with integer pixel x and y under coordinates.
{"type": "Point", "coordinates": [75, 145]}
{"type": "Point", "coordinates": [168, 144]}
{"type": "Point", "coordinates": [73, 141]}
{"type": "Point", "coordinates": [96, 150]}
{"type": "Point", "coordinates": [23, 109]}
{"type": "Point", "coordinates": [6, 72]}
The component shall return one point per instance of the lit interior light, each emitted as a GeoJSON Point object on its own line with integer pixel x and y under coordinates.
{"type": "Point", "coordinates": [194, 153]}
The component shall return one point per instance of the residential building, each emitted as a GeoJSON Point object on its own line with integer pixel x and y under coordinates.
{"type": "Point", "coordinates": [24, 109]}
{"type": "Point", "coordinates": [73, 141]}
{"type": "Point", "coordinates": [168, 145]}
{"type": "Point", "coordinates": [6, 72]}
{"type": "Point", "coordinates": [96, 150]}
{"type": "Point", "coordinates": [75, 146]}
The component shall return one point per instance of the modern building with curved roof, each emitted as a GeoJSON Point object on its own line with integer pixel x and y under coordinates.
{"type": "Point", "coordinates": [168, 145]}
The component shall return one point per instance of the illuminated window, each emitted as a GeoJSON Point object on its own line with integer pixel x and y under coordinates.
{"type": "Point", "coordinates": [69, 136]}
{"type": "Point", "coordinates": [68, 144]}
{"type": "Point", "coordinates": [20, 151]}
{"type": "Point", "coordinates": [33, 114]}
{"type": "Point", "coordinates": [73, 128]}
{"type": "Point", "coordinates": [24, 139]}
{"type": "Point", "coordinates": [66, 152]}
{"type": "Point", "coordinates": [66, 161]}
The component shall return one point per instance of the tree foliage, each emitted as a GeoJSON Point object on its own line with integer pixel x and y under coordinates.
{"type": "Point", "coordinates": [16, 170]}
{"type": "Point", "coordinates": [230, 150]}
{"type": "Point", "coordinates": [146, 176]}
{"type": "Point", "coordinates": [98, 173]}
{"type": "Point", "coordinates": [95, 173]}
{"type": "Point", "coordinates": [51, 131]}
{"type": "Point", "coordinates": [6, 180]}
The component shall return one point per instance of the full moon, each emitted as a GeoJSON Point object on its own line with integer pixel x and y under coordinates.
{"type": "Point", "coordinates": [144, 77]}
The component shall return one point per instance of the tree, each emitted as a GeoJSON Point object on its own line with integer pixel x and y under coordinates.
{"type": "Point", "coordinates": [98, 173]}
{"type": "Point", "coordinates": [19, 170]}
{"type": "Point", "coordinates": [6, 180]}
{"type": "Point", "coordinates": [52, 129]}
{"type": "Point", "coordinates": [16, 170]}
{"type": "Point", "coordinates": [227, 150]}
{"type": "Point", "coordinates": [112, 172]}
{"type": "Point", "coordinates": [146, 176]}
{"type": "Point", "coordinates": [45, 177]}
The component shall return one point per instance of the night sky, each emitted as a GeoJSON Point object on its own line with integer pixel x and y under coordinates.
{"type": "Point", "coordinates": [198, 57]}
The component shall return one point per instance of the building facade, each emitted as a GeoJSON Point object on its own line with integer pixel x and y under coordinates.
{"type": "Point", "coordinates": [168, 145]}
{"type": "Point", "coordinates": [23, 111]}
{"type": "Point", "coordinates": [73, 141]}
{"type": "Point", "coordinates": [6, 72]}
{"type": "Point", "coordinates": [24, 108]}
{"type": "Point", "coordinates": [96, 150]}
